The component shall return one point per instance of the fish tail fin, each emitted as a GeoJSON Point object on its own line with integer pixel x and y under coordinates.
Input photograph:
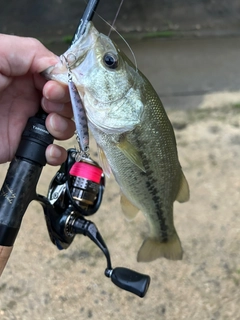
{"type": "Point", "coordinates": [153, 248]}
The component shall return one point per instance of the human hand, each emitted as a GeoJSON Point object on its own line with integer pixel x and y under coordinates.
{"type": "Point", "coordinates": [22, 89]}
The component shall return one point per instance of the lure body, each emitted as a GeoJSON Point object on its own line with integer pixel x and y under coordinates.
{"type": "Point", "coordinates": [79, 116]}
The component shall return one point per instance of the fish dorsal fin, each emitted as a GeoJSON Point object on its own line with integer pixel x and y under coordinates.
{"type": "Point", "coordinates": [104, 162]}
{"type": "Point", "coordinates": [183, 193]}
{"type": "Point", "coordinates": [131, 153]}
{"type": "Point", "coordinates": [129, 210]}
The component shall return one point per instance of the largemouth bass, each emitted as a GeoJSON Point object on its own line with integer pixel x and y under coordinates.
{"type": "Point", "coordinates": [134, 135]}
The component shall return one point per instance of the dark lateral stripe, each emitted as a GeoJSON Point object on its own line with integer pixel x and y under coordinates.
{"type": "Point", "coordinates": [151, 180]}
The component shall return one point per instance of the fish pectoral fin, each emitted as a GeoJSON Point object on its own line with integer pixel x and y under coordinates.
{"type": "Point", "coordinates": [131, 153]}
{"type": "Point", "coordinates": [104, 162]}
{"type": "Point", "coordinates": [129, 210]}
{"type": "Point", "coordinates": [183, 193]}
{"type": "Point", "coordinates": [153, 248]}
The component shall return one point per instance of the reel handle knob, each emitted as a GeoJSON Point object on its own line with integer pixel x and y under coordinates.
{"type": "Point", "coordinates": [129, 280]}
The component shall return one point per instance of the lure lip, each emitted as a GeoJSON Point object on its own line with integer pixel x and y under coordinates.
{"type": "Point", "coordinates": [47, 72]}
{"type": "Point", "coordinates": [53, 73]}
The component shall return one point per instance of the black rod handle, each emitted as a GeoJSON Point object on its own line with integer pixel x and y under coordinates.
{"type": "Point", "coordinates": [19, 187]}
{"type": "Point", "coordinates": [18, 190]}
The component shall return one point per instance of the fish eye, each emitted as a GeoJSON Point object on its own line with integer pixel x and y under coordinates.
{"type": "Point", "coordinates": [110, 60]}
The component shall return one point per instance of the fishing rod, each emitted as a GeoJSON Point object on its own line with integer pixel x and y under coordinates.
{"type": "Point", "coordinates": [86, 17]}
{"type": "Point", "coordinates": [75, 193]}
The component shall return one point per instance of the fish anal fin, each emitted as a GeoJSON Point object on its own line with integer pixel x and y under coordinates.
{"type": "Point", "coordinates": [131, 153]}
{"type": "Point", "coordinates": [152, 249]}
{"type": "Point", "coordinates": [129, 210]}
{"type": "Point", "coordinates": [104, 162]}
{"type": "Point", "coordinates": [183, 193]}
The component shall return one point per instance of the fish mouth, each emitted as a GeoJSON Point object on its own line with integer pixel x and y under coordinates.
{"type": "Point", "coordinates": [71, 60]}
{"type": "Point", "coordinates": [49, 72]}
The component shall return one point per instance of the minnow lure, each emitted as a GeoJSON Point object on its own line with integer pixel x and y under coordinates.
{"type": "Point", "coordinates": [79, 114]}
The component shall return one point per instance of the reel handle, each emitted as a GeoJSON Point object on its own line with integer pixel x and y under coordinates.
{"type": "Point", "coordinates": [129, 280]}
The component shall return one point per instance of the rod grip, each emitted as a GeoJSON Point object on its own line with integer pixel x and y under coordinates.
{"type": "Point", "coordinates": [19, 187]}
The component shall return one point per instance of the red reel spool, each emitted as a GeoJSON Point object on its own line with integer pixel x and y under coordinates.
{"type": "Point", "coordinates": [86, 179]}
{"type": "Point", "coordinates": [87, 171]}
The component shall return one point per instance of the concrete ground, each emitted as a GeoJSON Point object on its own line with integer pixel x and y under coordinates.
{"type": "Point", "coordinates": [198, 81]}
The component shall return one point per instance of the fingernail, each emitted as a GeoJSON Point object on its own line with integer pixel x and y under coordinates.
{"type": "Point", "coordinates": [52, 106]}
{"type": "Point", "coordinates": [53, 90]}
{"type": "Point", "coordinates": [58, 123]}
{"type": "Point", "coordinates": [55, 152]}
{"type": "Point", "coordinates": [44, 103]}
{"type": "Point", "coordinates": [59, 91]}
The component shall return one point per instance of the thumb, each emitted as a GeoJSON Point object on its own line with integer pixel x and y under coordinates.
{"type": "Point", "coordinates": [19, 55]}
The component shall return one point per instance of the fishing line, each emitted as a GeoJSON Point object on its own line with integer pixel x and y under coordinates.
{"type": "Point", "coordinates": [128, 45]}
{"type": "Point", "coordinates": [115, 18]}
{"type": "Point", "coordinates": [114, 29]}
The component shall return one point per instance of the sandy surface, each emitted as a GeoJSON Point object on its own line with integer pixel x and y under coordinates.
{"type": "Point", "coordinates": [41, 282]}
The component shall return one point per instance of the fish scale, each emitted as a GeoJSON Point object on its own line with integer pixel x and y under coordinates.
{"type": "Point", "coordinates": [135, 137]}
